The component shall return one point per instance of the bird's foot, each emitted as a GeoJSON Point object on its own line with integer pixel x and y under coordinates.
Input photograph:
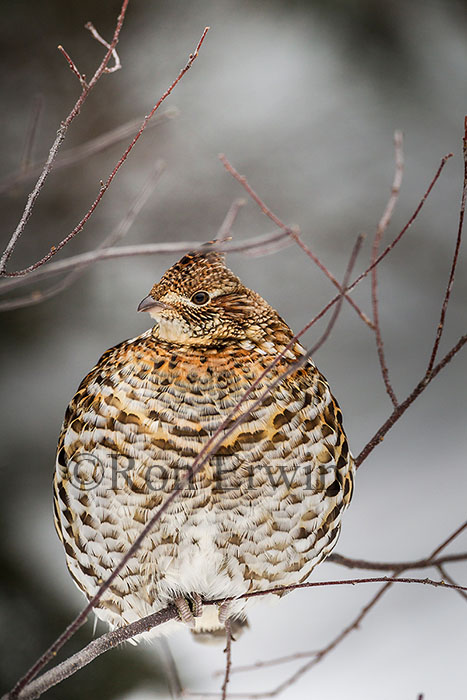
{"type": "Point", "coordinates": [197, 605]}
{"type": "Point", "coordinates": [188, 612]}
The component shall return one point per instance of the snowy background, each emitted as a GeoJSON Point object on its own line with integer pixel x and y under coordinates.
{"type": "Point", "coordinates": [303, 98]}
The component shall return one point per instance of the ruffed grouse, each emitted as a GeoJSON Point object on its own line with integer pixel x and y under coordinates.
{"type": "Point", "coordinates": [262, 512]}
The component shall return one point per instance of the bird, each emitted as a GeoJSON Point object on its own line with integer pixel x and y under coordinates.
{"type": "Point", "coordinates": [262, 511]}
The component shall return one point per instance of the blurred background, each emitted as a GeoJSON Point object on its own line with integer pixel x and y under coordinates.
{"type": "Point", "coordinates": [304, 98]}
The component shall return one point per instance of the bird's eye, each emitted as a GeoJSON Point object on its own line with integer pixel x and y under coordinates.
{"type": "Point", "coordinates": [200, 298]}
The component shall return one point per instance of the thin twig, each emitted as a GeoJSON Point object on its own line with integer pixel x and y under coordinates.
{"type": "Point", "coordinates": [401, 408]}
{"type": "Point", "coordinates": [338, 306]}
{"type": "Point", "coordinates": [298, 239]}
{"type": "Point", "coordinates": [270, 248]}
{"type": "Point", "coordinates": [320, 654]}
{"type": "Point", "coordinates": [61, 133]}
{"type": "Point", "coordinates": [117, 65]}
{"type": "Point", "coordinates": [94, 649]}
{"type": "Point", "coordinates": [226, 227]}
{"type": "Point", "coordinates": [409, 223]}
{"type": "Point", "coordinates": [449, 579]}
{"type": "Point", "coordinates": [458, 531]}
{"type": "Point", "coordinates": [431, 371]}
{"type": "Point", "coordinates": [447, 295]}
{"type": "Point", "coordinates": [294, 234]}
{"type": "Point", "coordinates": [341, 582]}
{"type": "Point", "coordinates": [105, 185]}
{"type": "Point", "coordinates": [72, 156]}
{"type": "Point", "coordinates": [292, 231]}
{"type": "Point", "coordinates": [92, 256]}
{"type": "Point", "coordinates": [156, 248]}
{"type": "Point", "coordinates": [277, 661]}
{"type": "Point", "coordinates": [119, 232]}
{"type": "Point", "coordinates": [81, 77]}
{"type": "Point", "coordinates": [381, 228]}
{"type": "Point", "coordinates": [228, 658]}
{"type": "Point", "coordinates": [351, 563]}
{"type": "Point", "coordinates": [317, 656]}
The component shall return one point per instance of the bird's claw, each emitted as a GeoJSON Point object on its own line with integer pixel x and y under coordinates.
{"type": "Point", "coordinates": [188, 613]}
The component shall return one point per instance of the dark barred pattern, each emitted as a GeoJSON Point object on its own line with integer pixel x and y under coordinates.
{"type": "Point", "coordinates": [263, 511]}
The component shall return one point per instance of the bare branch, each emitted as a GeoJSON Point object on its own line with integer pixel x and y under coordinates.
{"type": "Point", "coordinates": [317, 656]}
{"type": "Point", "coordinates": [61, 133]}
{"type": "Point", "coordinates": [344, 582]}
{"type": "Point", "coordinates": [431, 372]}
{"type": "Point", "coordinates": [270, 248]}
{"type": "Point", "coordinates": [401, 408]}
{"type": "Point", "coordinates": [55, 268]}
{"type": "Point", "coordinates": [149, 249]}
{"type": "Point", "coordinates": [228, 658]}
{"type": "Point", "coordinates": [117, 65]}
{"type": "Point", "coordinates": [296, 236]}
{"type": "Point", "coordinates": [81, 77]}
{"type": "Point", "coordinates": [112, 639]}
{"type": "Point", "coordinates": [105, 185]}
{"type": "Point", "coordinates": [89, 148]}
{"type": "Point", "coordinates": [120, 231]}
{"type": "Point", "coordinates": [409, 223]}
{"type": "Point", "coordinates": [382, 226]}
{"type": "Point", "coordinates": [458, 531]}
{"type": "Point", "coordinates": [395, 189]}
{"type": "Point", "coordinates": [293, 232]}
{"type": "Point", "coordinates": [351, 563]}
{"type": "Point", "coordinates": [440, 328]}
{"type": "Point", "coordinates": [338, 306]}
{"type": "Point", "coordinates": [449, 579]}
{"type": "Point", "coordinates": [94, 649]}
{"type": "Point", "coordinates": [230, 218]}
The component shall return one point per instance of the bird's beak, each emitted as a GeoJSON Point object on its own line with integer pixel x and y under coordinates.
{"type": "Point", "coordinates": [150, 304]}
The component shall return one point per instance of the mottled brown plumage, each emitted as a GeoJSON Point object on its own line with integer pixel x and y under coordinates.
{"type": "Point", "coordinates": [263, 511]}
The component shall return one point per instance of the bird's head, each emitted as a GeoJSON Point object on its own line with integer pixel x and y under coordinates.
{"type": "Point", "coordinates": [199, 301]}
